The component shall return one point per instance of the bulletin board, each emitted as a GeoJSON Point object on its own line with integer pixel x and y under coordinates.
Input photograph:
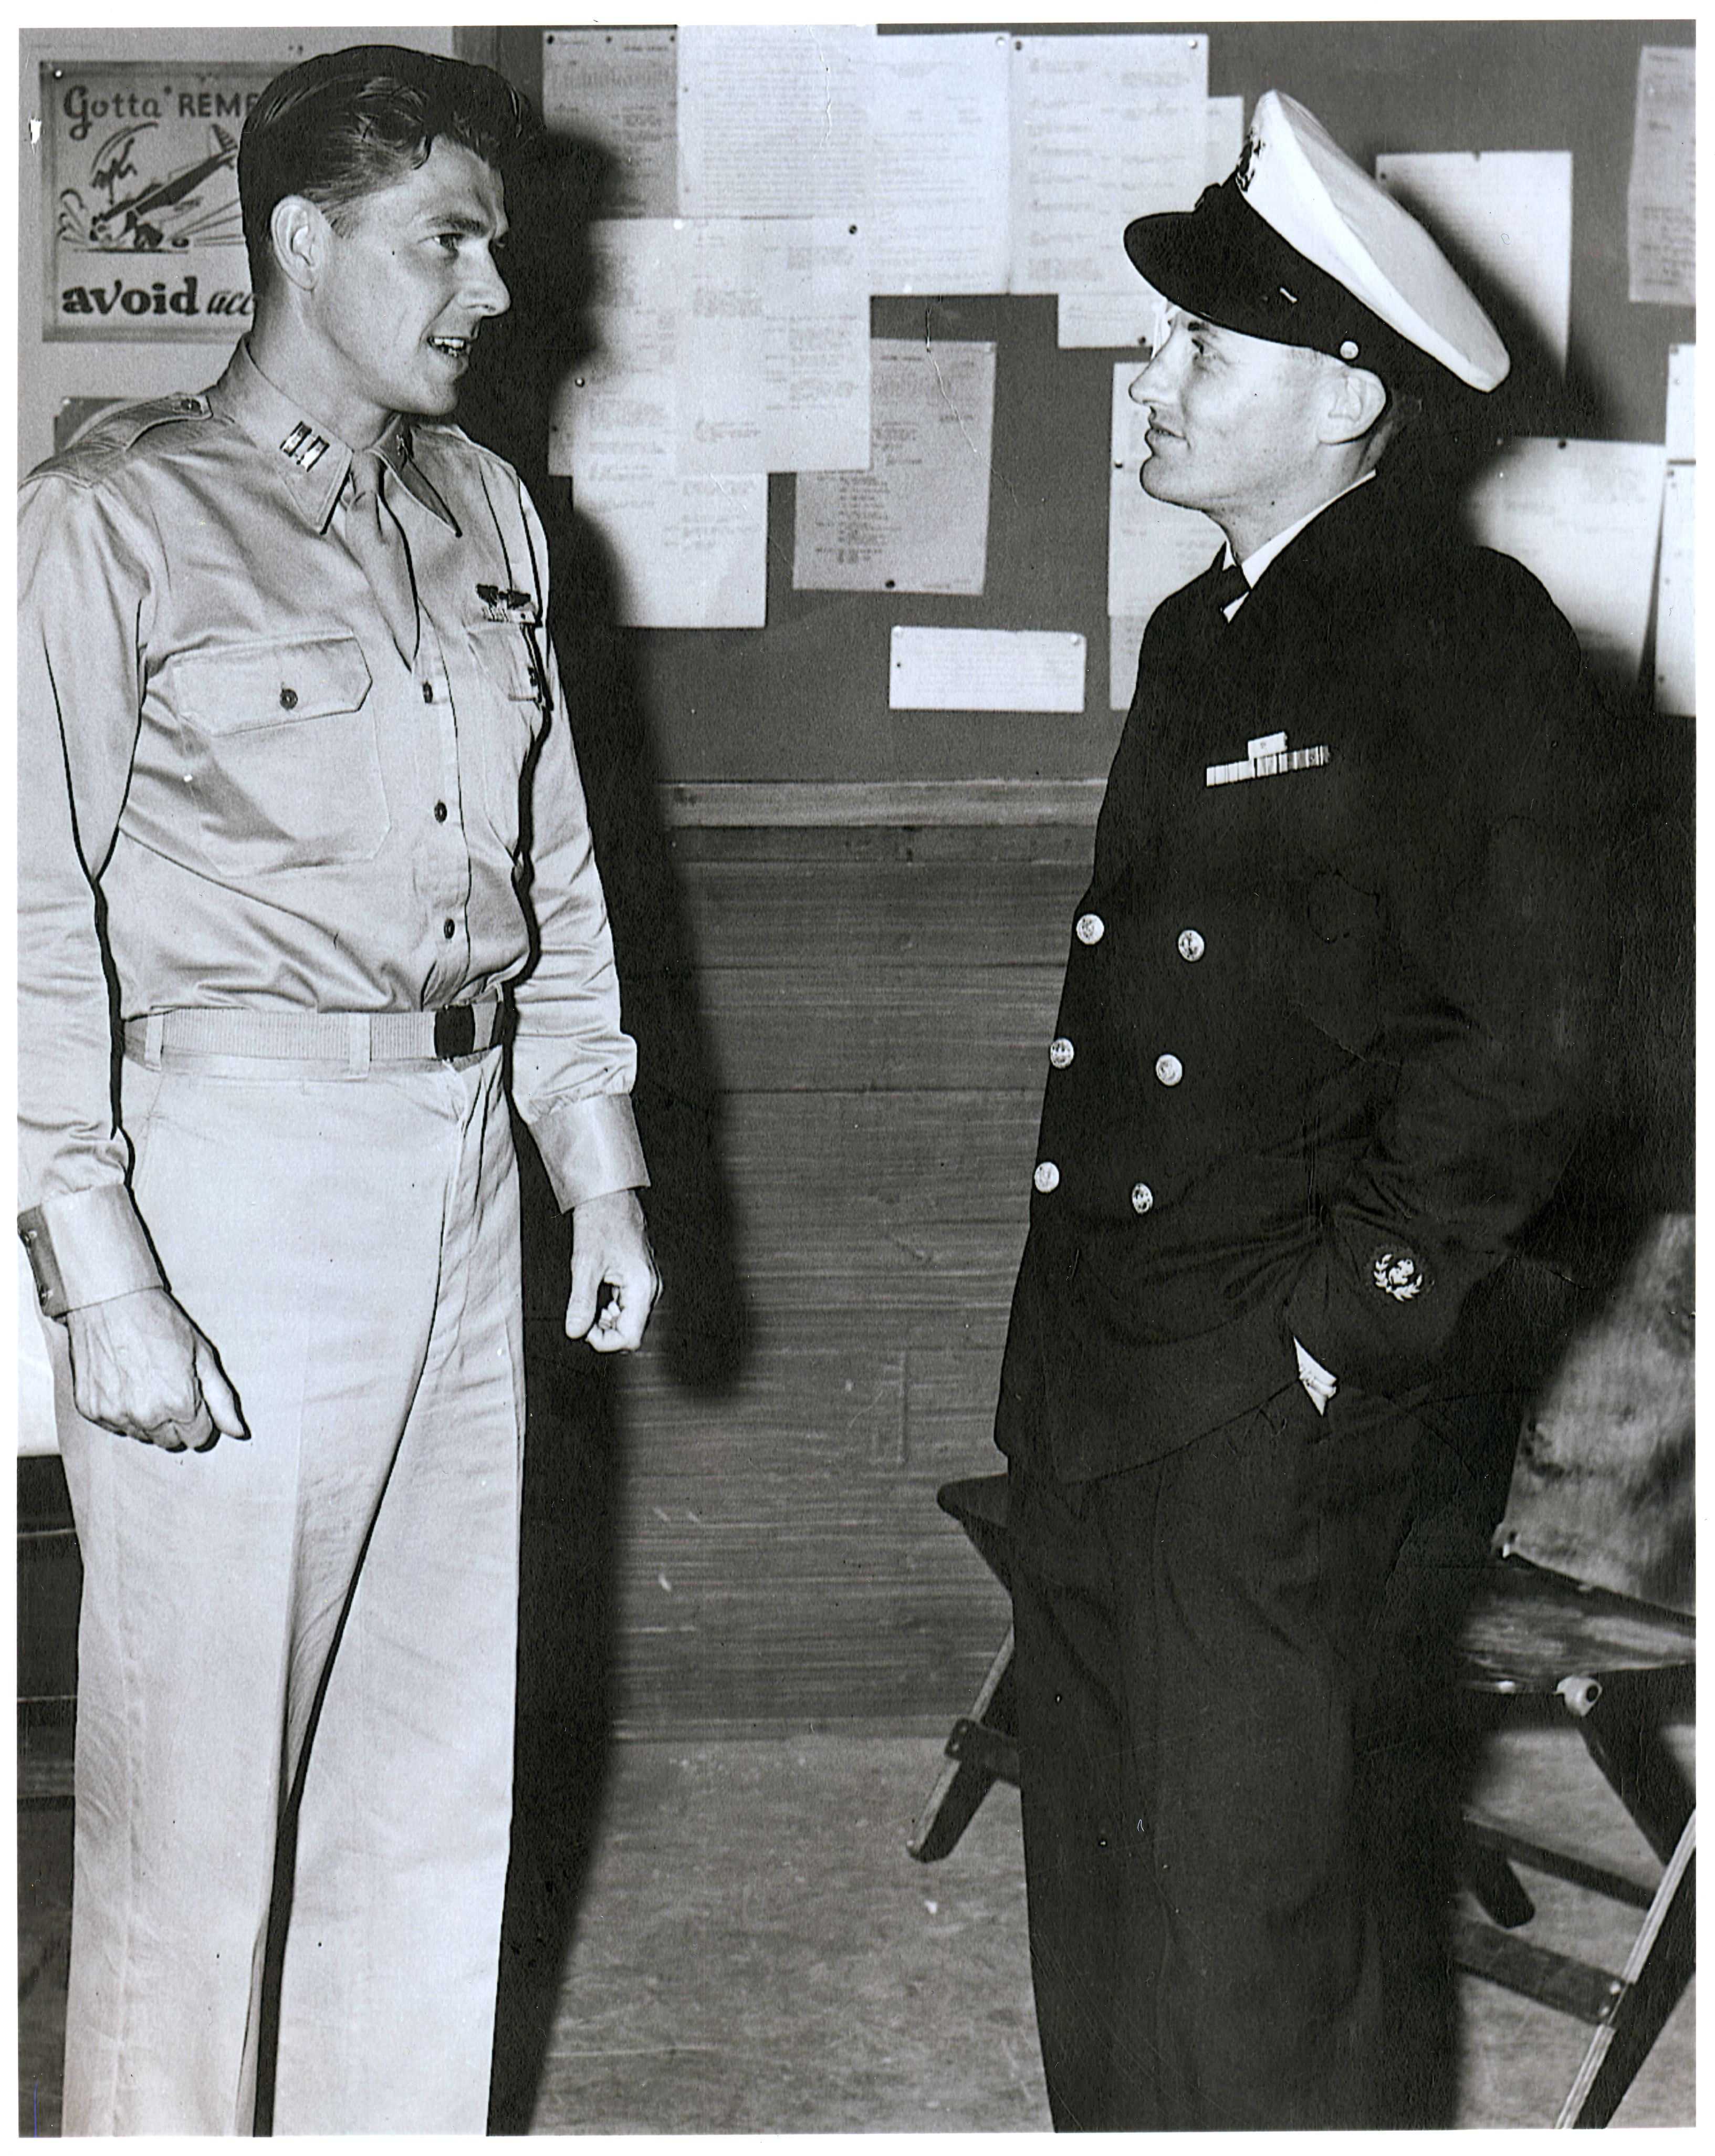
{"type": "Point", "coordinates": [804, 698]}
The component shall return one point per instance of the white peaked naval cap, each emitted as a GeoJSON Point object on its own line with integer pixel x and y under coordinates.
{"type": "Point", "coordinates": [1301, 246]}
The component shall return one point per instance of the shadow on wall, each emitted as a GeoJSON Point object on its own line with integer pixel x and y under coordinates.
{"type": "Point", "coordinates": [520, 359]}
{"type": "Point", "coordinates": [574, 1470]}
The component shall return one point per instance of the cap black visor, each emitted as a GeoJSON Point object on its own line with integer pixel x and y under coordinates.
{"type": "Point", "coordinates": [1225, 264]}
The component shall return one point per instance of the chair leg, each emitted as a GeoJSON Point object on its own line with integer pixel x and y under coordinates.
{"type": "Point", "coordinates": [1656, 1973]}
{"type": "Point", "coordinates": [1493, 1880]}
{"type": "Point", "coordinates": [966, 1780]}
{"type": "Point", "coordinates": [1622, 1729]}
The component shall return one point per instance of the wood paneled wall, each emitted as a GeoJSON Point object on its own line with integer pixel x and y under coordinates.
{"type": "Point", "coordinates": [878, 1003]}
{"type": "Point", "coordinates": [738, 1528]}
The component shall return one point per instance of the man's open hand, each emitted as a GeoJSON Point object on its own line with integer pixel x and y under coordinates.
{"type": "Point", "coordinates": [140, 1367]}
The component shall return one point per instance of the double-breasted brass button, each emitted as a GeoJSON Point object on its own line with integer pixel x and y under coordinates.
{"type": "Point", "coordinates": [1091, 928]}
{"type": "Point", "coordinates": [1046, 1177]}
{"type": "Point", "coordinates": [1169, 1070]}
{"type": "Point", "coordinates": [1060, 1053]}
{"type": "Point", "coordinates": [1142, 1198]}
{"type": "Point", "coordinates": [1191, 946]}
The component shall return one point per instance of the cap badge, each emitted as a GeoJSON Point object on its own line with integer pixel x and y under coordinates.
{"type": "Point", "coordinates": [1397, 1273]}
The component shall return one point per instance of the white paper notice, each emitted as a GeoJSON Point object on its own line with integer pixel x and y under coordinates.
{"type": "Point", "coordinates": [773, 346]}
{"type": "Point", "coordinates": [1136, 317]}
{"type": "Point", "coordinates": [619, 88]}
{"type": "Point", "coordinates": [1585, 516]}
{"type": "Point", "coordinates": [1133, 314]}
{"type": "Point", "coordinates": [1104, 129]}
{"type": "Point", "coordinates": [1154, 547]}
{"type": "Point", "coordinates": [692, 553]}
{"type": "Point", "coordinates": [773, 122]}
{"type": "Point", "coordinates": [1125, 638]}
{"type": "Point", "coordinates": [985, 670]}
{"type": "Point", "coordinates": [1661, 215]}
{"type": "Point", "coordinates": [1681, 403]}
{"type": "Point", "coordinates": [1223, 137]}
{"type": "Point", "coordinates": [1508, 214]}
{"type": "Point", "coordinates": [735, 345]}
{"type": "Point", "coordinates": [1128, 423]}
{"type": "Point", "coordinates": [1676, 596]}
{"type": "Point", "coordinates": [918, 520]}
{"type": "Point", "coordinates": [939, 208]}
{"type": "Point", "coordinates": [619, 416]}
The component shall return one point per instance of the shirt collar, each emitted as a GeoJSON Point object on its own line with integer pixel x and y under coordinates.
{"type": "Point", "coordinates": [312, 463]}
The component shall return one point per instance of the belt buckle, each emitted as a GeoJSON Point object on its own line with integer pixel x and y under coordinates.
{"type": "Point", "coordinates": [455, 1032]}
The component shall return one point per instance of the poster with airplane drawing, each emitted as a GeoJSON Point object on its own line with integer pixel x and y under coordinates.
{"type": "Point", "coordinates": [141, 194]}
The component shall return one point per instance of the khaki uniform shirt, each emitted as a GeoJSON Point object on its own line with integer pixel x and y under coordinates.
{"type": "Point", "coordinates": [231, 779]}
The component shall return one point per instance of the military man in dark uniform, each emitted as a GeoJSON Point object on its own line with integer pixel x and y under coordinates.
{"type": "Point", "coordinates": [1317, 1063]}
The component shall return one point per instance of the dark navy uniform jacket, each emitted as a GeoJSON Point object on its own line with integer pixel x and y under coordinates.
{"type": "Point", "coordinates": [1324, 1037]}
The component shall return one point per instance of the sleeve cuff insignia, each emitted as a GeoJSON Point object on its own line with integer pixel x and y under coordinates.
{"type": "Point", "coordinates": [1396, 1272]}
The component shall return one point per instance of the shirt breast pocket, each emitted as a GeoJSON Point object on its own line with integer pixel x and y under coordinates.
{"type": "Point", "coordinates": [282, 755]}
{"type": "Point", "coordinates": [505, 653]}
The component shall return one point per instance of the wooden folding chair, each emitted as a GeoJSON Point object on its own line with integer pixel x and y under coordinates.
{"type": "Point", "coordinates": [981, 1749]}
{"type": "Point", "coordinates": [1621, 1668]}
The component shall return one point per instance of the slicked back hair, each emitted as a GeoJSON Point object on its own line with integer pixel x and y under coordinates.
{"type": "Point", "coordinates": [345, 125]}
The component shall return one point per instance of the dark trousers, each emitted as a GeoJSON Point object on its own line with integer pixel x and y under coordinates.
{"type": "Point", "coordinates": [1196, 1644]}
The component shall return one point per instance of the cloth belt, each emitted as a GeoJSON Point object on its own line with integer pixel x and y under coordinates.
{"type": "Point", "coordinates": [351, 1039]}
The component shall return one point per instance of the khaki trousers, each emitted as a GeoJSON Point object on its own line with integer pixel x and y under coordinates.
{"type": "Point", "coordinates": [327, 1610]}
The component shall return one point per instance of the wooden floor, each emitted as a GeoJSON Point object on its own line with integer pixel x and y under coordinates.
{"type": "Point", "coordinates": [754, 1952]}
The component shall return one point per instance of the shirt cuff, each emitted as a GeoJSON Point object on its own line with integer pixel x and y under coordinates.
{"type": "Point", "coordinates": [1321, 1384]}
{"type": "Point", "coordinates": [87, 1246]}
{"type": "Point", "coordinates": [589, 1147]}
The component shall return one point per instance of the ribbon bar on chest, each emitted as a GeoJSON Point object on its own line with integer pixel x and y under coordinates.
{"type": "Point", "coordinates": [1267, 757]}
